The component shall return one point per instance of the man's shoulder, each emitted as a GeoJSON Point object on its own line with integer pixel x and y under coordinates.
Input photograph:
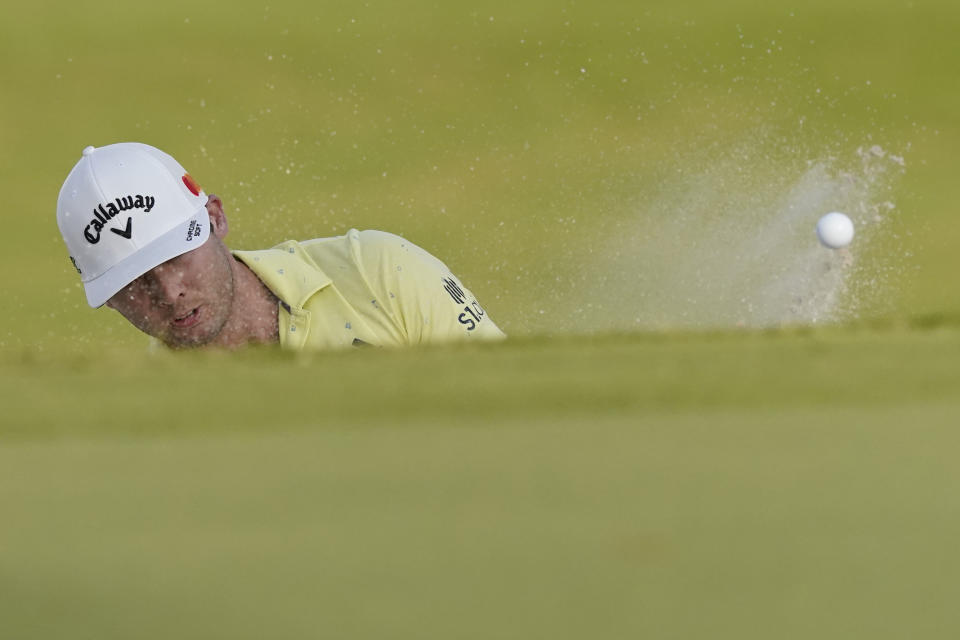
{"type": "Point", "coordinates": [354, 246]}
{"type": "Point", "coordinates": [329, 251]}
{"type": "Point", "coordinates": [369, 240]}
{"type": "Point", "coordinates": [366, 250]}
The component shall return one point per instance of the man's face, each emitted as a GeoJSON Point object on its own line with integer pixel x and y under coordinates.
{"type": "Point", "coordinates": [184, 302]}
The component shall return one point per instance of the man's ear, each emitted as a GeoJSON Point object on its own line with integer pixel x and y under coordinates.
{"type": "Point", "coordinates": [218, 220]}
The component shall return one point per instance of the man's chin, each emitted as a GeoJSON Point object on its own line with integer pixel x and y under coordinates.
{"type": "Point", "coordinates": [180, 344]}
{"type": "Point", "coordinates": [193, 338]}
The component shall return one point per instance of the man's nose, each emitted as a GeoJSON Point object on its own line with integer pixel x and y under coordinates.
{"type": "Point", "coordinates": [167, 281]}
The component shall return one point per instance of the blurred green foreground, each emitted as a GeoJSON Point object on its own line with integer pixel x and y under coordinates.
{"type": "Point", "coordinates": [788, 485]}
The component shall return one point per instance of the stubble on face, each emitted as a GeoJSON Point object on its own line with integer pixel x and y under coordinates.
{"type": "Point", "coordinates": [201, 321]}
{"type": "Point", "coordinates": [185, 302]}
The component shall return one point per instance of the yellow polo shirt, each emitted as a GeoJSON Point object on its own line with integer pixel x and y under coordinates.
{"type": "Point", "coordinates": [366, 288]}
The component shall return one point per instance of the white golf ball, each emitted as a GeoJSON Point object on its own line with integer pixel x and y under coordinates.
{"type": "Point", "coordinates": [835, 230]}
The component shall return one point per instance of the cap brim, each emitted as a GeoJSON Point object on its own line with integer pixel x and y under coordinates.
{"type": "Point", "coordinates": [173, 243]}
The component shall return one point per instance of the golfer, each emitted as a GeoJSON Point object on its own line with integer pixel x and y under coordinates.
{"type": "Point", "coordinates": [149, 243]}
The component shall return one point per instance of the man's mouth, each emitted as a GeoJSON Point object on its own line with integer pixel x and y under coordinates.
{"type": "Point", "coordinates": [188, 319]}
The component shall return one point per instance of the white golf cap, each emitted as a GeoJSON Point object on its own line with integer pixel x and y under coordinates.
{"type": "Point", "coordinates": [123, 210]}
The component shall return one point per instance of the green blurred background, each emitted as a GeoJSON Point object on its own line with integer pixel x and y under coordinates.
{"type": "Point", "coordinates": [776, 482]}
{"type": "Point", "coordinates": [515, 140]}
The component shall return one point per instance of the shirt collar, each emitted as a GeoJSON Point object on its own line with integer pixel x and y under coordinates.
{"type": "Point", "coordinates": [288, 271]}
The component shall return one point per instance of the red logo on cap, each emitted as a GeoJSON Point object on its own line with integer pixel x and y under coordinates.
{"type": "Point", "coordinates": [191, 184]}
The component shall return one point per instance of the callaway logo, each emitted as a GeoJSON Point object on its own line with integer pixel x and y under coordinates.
{"type": "Point", "coordinates": [104, 213]}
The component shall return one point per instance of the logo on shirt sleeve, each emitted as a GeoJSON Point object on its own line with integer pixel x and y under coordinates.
{"type": "Point", "coordinates": [472, 313]}
{"type": "Point", "coordinates": [455, 291]}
